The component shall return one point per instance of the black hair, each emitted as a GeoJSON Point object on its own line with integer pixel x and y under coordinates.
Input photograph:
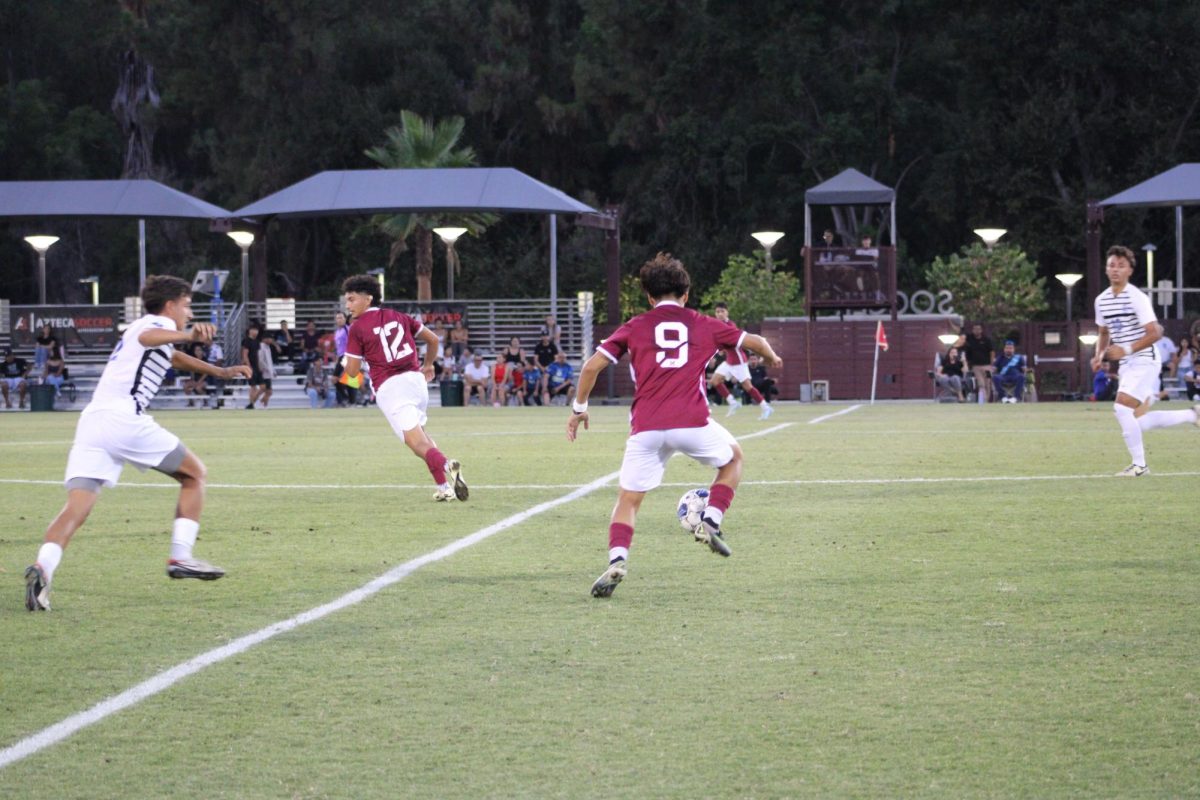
{"type": "Point", "coordinates": [362, 284]}
{"type": "Point", "coordinates": [664, 275]}
{"type": "Point", "coordinates": [720, 304]}
{"type": "Point", "coordinates": [158, 290]}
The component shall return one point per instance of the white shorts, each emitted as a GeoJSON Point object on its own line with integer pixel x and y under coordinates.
{"type": "Point", "coordinates": [13, 384]}
{"type": "Point", "coordinates": [107, 439]}
{"type": "Point", "coordinates": [1139, 380]}
{"type": "Point", "coordinates": [733, 372]}
{"type": "Point", "coordinates": [403, 399]}
{"type": "Point", "coordinates": [646, 453]}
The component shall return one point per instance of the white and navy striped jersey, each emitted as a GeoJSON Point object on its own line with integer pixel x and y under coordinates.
{"type": "Point", "coordinates": [134, 372]}
{"type": "Point", "coordinates": [1126, 316]}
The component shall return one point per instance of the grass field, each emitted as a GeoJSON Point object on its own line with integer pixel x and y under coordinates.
{"type": "Point", "coordinates": [923, 601]}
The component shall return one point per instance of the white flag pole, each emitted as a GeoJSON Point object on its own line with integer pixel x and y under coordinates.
{"type": "Point", "coordinates": [875, 368]}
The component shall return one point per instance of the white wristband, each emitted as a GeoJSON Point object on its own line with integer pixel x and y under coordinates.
{"type": "Point", "coordinates": [577, 407]}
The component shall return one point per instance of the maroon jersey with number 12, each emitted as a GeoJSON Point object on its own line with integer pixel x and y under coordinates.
{"type": "Point", "coordinates": [386, 340]}
{"type": "Point", "coordinates": [669, 346]}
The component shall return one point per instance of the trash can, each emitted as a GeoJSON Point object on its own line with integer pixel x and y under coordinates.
{"type": "Point", "coordinates": [41, 397]}
{"type": "Point", "coordinates": [452, 393]}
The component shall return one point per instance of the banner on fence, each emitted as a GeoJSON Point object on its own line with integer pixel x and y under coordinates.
{"type": "Point", "coordinates": [90, 326]}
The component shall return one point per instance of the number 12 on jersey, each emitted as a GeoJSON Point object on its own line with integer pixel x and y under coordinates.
{"type": "Point", "coordinates": [397, 348]}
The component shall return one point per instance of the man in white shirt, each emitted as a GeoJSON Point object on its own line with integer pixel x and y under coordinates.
{"type": "Point", "coordinates": [114, 430]}
{"type": "Point", "coordinates": [1128, 331]}
{"type": "Point", "coordinates": [475, 376]}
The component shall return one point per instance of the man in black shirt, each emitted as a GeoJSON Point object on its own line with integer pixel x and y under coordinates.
{"type": "Point", "coordinates": [979, 353]}
{"type": "Point", "coordinates": [14, 371]}
{"type": "Point", "coordinates": [545, 351]}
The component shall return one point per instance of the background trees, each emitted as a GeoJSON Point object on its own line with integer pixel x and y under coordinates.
{"type": "Point", "coordinates": [703, 120]}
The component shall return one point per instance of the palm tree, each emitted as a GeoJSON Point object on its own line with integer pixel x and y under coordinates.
{"type": "Point", "coordinates": [418, 143]}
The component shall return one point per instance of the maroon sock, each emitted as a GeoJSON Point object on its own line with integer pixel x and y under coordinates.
{"type": "Point", "coordinates": [720, 497]}
{"type": "Point", "coordinates": [722, 390]}
{"type": "Point", "coordinates": [619, 535]}
{"type": "Point", "coordinates": [437, 465]}
{"type": "Point", "coordinates": [756, 395]}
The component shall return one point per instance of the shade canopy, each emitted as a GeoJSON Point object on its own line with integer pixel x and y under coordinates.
{"type": "Point", "coordinates": [142, 199]}
{"type": "Point", "coordinates": [397, 191]}
{"type": "Point", "coordinates": [850, 188]}
{"type": "Point", "coordinates": [1178, 186]}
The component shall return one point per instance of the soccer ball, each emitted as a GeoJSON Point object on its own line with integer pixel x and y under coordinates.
{"type": "Point", "coordinates": [691, 507]}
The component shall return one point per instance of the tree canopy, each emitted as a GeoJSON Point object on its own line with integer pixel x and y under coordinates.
{"type": "Point", "coordinates": [703, 120]}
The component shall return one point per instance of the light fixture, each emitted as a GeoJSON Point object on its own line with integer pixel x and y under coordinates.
{"type": "Point", "coordinates": [948, 338]}
{"type": "Point", "coordinates": [1149, 249]}
{"type": "Point", "coordinates": [990, 235]}
{"type": "Point", "coordinates": [378, 272]}
{"type": "Point", "coordinates": [244, 239]}
{"type": "Point", "coordinates": [1088, 339]}
{"type": "Point", "coordinates": [94, 280]}
{"type": "Point", "coordinates": [41, 244]}
{"type": "Point", "coordinates": [450, 235]}
{"type": "Point", "coordinates": [1069, 279]}
{"type": "Point", "coordinates": [768, 239]}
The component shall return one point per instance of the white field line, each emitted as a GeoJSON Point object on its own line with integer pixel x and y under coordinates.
{"type": "Point", "coordinates": [165, 680]}
{"type": "Point", "coordinates": [854, 407]}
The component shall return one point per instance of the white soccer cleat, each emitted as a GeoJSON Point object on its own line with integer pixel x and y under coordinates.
{"type": "Point", "coordinates": [454, 470]}
{"type": "Point", "coordinates": [767, 411]}
{"type": "Point", "coordinates": [711, 535]}
{"type": "Point", "coordinates": [1133, 471]}
{"type": "Point", "coordinates": [607, 582]}
{"type": "Point", "coordinates": [37, 589]}
{"type": "Point", "coordinates": [444, 495]}
{"type": "Point", "coordinates": [734, 405]}
{"type": "Point", "coordinates": [193, 568]}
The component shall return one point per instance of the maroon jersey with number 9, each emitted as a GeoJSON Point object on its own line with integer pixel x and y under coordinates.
{"type": "Point", "coordinates": [669, 346]}
{"type": "Point", "coordinates": [386, 340]}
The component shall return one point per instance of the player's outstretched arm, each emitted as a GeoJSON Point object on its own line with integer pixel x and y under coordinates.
{"type": "Point", "coordinates": [185, 363]}
{"type": "Point", "coordinates": [587, 381]}
{"type": "Point", "coordinates": [154, 337]}
{"type": "Point", "coordinates": [757, 344]}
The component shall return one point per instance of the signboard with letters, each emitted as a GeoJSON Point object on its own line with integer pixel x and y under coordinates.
{"type": "Point", "coordinates": [89, 326]}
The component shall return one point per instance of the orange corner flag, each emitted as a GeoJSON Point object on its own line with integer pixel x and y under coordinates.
{"type": "Point", "coordinates": [881, 337]}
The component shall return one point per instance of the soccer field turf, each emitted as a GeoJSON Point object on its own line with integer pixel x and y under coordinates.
{"type": "Point", "coordinates": [923, 600]}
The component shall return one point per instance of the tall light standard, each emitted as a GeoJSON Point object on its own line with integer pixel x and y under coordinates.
{"type": "Point", "coordinates": [244, 239]}
{"type": "Point", "coordinates": [94, 280]}
{"type": "Point", "coordinates": [1069, 279]}
{"type": "Point", "coordinates": [1149, 249]}
{"type": "Point", "coordinates": [768, 239]}
{"type": "Point", "coordinates": [1088, 340]}
{"type": "Point", "coordinates": [450, 236]}
{"type": "Point", "coordinates": [378, 272]}
{"type": "Point", "coordinates": [990, 235]}
{"type": "Point", "coordinates": [41, 244]}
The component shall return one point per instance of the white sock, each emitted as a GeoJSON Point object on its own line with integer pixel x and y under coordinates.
{"type": "Point", "coordinates": [714, 515]}
{"type": "Point", "coordinates": [49, 554]}
{"type": "Point", "coordinates": [1165, 419]}
{"type": "Point", "coordinates": [618, 552]}
{"type": "Point", "coordinates": [444, 486]}
{"type": "Point", "coordinates": [1132, 433]}
{"type": "Point", "coordinates": [183, 537]}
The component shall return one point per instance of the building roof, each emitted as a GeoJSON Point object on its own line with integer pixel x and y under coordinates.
{"type": "Point", "coordinates": [117, 198]}
{"type": "Point", "coordinates": [850, 188]}
{"type": "Point", "coordinates": [1178, 186]}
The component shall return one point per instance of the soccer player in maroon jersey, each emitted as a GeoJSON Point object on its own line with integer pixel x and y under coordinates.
{"type": "Point", "coordinates": [669, 347]}
{"type": "Point", "coordinates": [736, 367]}
{"type": "Point", "coordinates": [386, 340]}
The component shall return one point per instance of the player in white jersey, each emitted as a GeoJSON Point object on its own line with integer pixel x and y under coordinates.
{"type": "Point", "coordinates": [1128, 331]}
{"type": "Point", "coordinates": [114, 430]}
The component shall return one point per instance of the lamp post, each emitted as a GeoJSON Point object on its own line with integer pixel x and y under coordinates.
{"type": "Point", "coordinates": [1088, 340]}
{"type": "Point", "coordinates": [94, 280]}
{"type": "Point", "coordinates": [1069, 279]}
{"type": "Point", "coordinates": [450, 236]}
{"type": "Point", "coordinates": [947, 339]}
{"type": "Point", "coordinates": [768, 239]}
{"type": "Point", "coordinates": [41, 244]}
{"type": "Point", "coordinates": [990, 235]}
{"type": "Point", "coordinates": [1149, 249]}
{"type": "Point", "coordinates": [378, 272]}
{"type": "Point", "coordinates": [244, 239]}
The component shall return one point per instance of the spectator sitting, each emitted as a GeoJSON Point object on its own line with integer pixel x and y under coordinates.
{"type": "Point", "coordinates": [194, 383]}
{"type": "Point", "coordinates": [14, 377]}
{"type": "Point", "coordinates": [559, 379]}
{"type": "Point", "coordinates": [535, 383]}
{"type": "Point", "coordinates": [459, 336]}
{"type": "Point", "coordinates": [316, 386]}
{"type": "Point", "coordinates": [44, 346]}
{"type": "Point", "coordinates": [979, 354]}
{"type": "Point", "coordinates": [759, 380]}
{"type": "Point", "coordinates": [1009, 374]}
{"type": "Point", "coordinates": [513, 354]}
{"type": "Point", "coordinates": [1104, 385]}
{"type": "Point", "coordinates": [545, 351]}
{"type": "Point", "coordinates": [285, 344]}
{"type": "Point", "coordinates": [950, 373]}
{"type": "Point", "coordinates": [54, 371]}
{"type": "Point", "coordinates": [551, 330]}
{"type": "Point", "coordinates": [500, 380]}
{"type": "Point", "coordinates": [475, 377]}
{"type": "Point", "coordinates": [216, 357]}
{"type": "Point", "coordinates": [516, 378]}
{"type": "Point", "coordinates": [310, 343]}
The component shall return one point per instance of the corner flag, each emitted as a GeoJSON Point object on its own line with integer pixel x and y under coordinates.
{"type": "Point", "coordinates": [881, 337]}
